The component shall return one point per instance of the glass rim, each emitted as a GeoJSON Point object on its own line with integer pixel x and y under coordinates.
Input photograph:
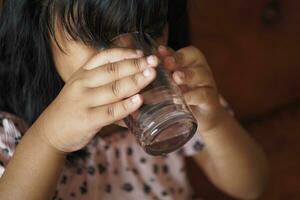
{"type": "Point", "coordinates": [129, 33]}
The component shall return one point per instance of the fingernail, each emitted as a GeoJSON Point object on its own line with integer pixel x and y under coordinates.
{"type": "Point", "coordinates": [162, 48]}
{"type": "Point", "coordinates": [171, 59]}
{"type": "Point", "coordinates": [135, 99]}
{"type": "Point", "coordinates": [151, 60]}
{"type": "Point", "coordinates": [139, 52]}
{"type": "Point", "coordinates": [180, 75]}
{"type": "Point", "coordinates": [147, 72]}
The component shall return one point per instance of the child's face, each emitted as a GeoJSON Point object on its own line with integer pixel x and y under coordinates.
{"type": "Point", "coordinates": [75, 54]}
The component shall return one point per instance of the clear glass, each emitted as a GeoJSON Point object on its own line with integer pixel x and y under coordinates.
{"type": "Point", "coordinates": [164, 123]}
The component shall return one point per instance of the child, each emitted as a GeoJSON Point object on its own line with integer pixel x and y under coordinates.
{"type": "Point", "coordinates": [63, 92]}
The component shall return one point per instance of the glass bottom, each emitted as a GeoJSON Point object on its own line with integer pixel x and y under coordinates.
{"type": "Point", "coordinates": [163, 129]}
{"type": "Point", "coordinates": [173, 134]}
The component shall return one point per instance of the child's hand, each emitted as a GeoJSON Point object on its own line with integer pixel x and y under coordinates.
{"type": "Point", "coordinates": [193, 75]}
{"type": "Point", "coordinates": [95, 96]}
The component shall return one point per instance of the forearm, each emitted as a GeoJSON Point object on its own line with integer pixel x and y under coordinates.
{"type": "Point", "coordinates": [33, 171]}
{"type": "Point", "coordinates": [233, 160]}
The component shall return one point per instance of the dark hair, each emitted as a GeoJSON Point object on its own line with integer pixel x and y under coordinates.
{"type": "Point", "coordinates": [26, 28]}
{"type": "Point", "coordinates": [28, 78]}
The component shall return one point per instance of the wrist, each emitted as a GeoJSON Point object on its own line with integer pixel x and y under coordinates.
{"type": "Point", "coordinates": [40, 136]}
{"type": "Point", "coordinates": [212, 120]}
{"type": "Point", "coordinates": [224, 121]}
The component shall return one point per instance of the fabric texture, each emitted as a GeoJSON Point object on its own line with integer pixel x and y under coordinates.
{"type": "Point", "coordinates": [116, 167]}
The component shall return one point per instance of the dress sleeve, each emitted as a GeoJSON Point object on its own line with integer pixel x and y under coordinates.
{"type": "Point", "coordinates": [11, 130]}
{"type": "Point", "coordinates": [196, 144]}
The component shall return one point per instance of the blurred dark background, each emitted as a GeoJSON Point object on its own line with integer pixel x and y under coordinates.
{"type": "Point", "coordinates": [253, 48]}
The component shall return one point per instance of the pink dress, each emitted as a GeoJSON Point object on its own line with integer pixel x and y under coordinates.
{"type": "Point", "coordinates": [116, 168]}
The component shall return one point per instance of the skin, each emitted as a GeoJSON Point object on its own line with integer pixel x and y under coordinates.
{"type": "Point", "coordinates": [231, 159]}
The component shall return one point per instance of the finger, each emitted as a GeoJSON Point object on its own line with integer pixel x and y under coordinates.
{"type": "Point", "coordinates": [165, 51]}
{"type": "Point", "coordinates": [121, 123]}
{"type": "Point", "coordinates": [118, 70]}
{"type": "Point", "coordinates": [194, 77]}
{"type": "Point", "coordinates": [120, 89]}
{"type": "Point", "coordinates": [185, 57]}
{"type": "Point", "coordinates": [202, 96]}
{"type": "Point", "coordinates": [109, 114]}
{"type": "Point", "coordinates": [112, 55]}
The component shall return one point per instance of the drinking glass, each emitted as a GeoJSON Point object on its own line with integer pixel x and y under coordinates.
{"type": "Point", "coordinates": [164, 122]}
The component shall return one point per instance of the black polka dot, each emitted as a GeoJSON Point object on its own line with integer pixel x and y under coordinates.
{"type": "Point", "coordinates": [108, 188]}
{"type": "Point", "coordinates": [127, 187]}
{"type": "Point", "coordinates": [164, 193]}
{"type": "Point", "coordinates": [17, 140]}
{"type": "Point", "coordinates": [155, 169]}
{"type": "Point", "coordinates": [6, 151]}
{"type": "Point", "coordinates": [1, 163]}
{"type": "Point", "coordinates": [55, 194]}
{"type": "Point", "coordinates": [83, 190]}
{"type": "Point", "coordinates": [198, 146]}
{"type": "Point", "coordinates": [152, 179]}
{"type": "Point", "coordinates": [117, 153]}
{"type": "Point", "coordinates": [84, 183]}
{"type": "Point", "coordinates": [116, 172]}
{"type": "Point", "coordinates": [129, 151]}
{"type": "Point", "coordinates": [180, 190]}
{"type": "Point", "coordinates": [64, 179]}
{"type": "Point", "coordinates": [79, 171]}
{"type": "Point", "coordinates": [106, 147]}
{"type": "Point", "coordinates": [73, 194]}
{"type": "Point", "coordinates": [143, 160]}
{"type": "Point", "coordinates": [91, 170]}
{"type": "Point", "coordinates": [135, 171]}
{"type": "Point", "coordinates": [166, 169]}
{"type": "Point", "coordinates": [101, 168]}
{"type": "Point", "coordinates": [147, 189]}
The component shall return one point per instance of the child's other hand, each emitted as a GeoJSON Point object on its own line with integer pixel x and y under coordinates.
{"type": "Point", "coordinates": [194, 76]}
{"type": "Point", "coordinates": [98, 94]}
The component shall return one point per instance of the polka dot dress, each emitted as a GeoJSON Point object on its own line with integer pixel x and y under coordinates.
{"type": "Point", "coordinates": [116, 168]}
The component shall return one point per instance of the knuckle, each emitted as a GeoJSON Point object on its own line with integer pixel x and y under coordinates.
{"type": "Point", "coordinates": [115, 88]}
{"type": "Point", "coordinates": [137, 63]}
{"type": "Point", "coordinates": [187, 97]}
{"type": "Point", "coordinates": [194, 49]}
{"type": "Point", "coordinates": [111, 111]}
{"type": "Point", "coordinates": [112, 68]}
{"type": "Point", "coordinates": [125, 107]}
{"type": "Point", "coordinates": [119, 52]}
{"type": "Point", "coordinates": [197, 51]}
{"type": "Point", "coordinates": [204, 95]}
{"type": "Point", "coordinates": [106, 52]}
{"type": "Point", "coordinates": [77, 84]}
{"type": "Point", "coordinates": [135, 80]}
